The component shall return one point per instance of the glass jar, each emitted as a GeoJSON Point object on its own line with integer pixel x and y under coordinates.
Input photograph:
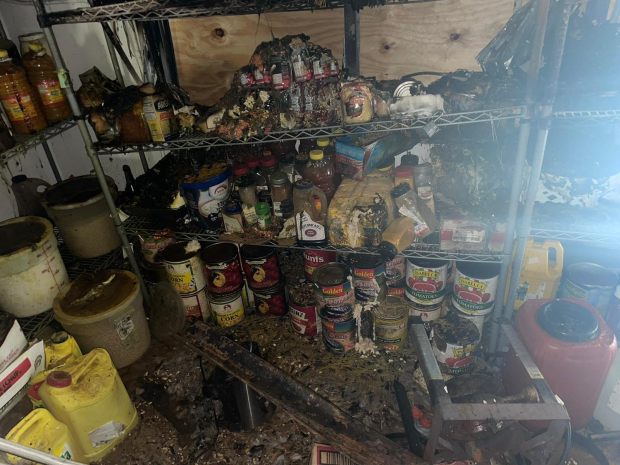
{"type": "Point", "coordinates": [281, 191]}
{"type": "Point", "coordinates": [247, 194]}
{"type": "Point", "coordinates": [424, 180]}
{"type": "Point", "coordinates": [320, 172]}
{"type": "Point", "coordinates": [268, 166]}
{"type": "Point", "coordinates": [263, 213]}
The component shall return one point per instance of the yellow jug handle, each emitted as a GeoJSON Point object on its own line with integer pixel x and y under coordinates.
{"type": "Point", "coordinates": [91, 358]}
{"type": "Point", "coordinates": [558, 264]}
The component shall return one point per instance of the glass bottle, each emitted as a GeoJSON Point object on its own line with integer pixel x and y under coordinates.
{"type": "Point", "coordinates": [310, 209]}
{"type": "Point", "coordinates": [281, 191]}
{"type": "Point", "coordinates": [263, 213]}
{"type": "Point", "coordinates": [327, 146]}
{"type": "Point", "coordinates": [43, 75]}
{"type": "Point", "coordinates": [20, 101]}
{"type": "Point", "coordinates": [320, 172]}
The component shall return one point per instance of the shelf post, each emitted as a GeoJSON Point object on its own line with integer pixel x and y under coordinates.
{"type": "Point", "coordinates": [114, 58]}
{"type": "Point", "coordinates": [88, 144]}
{"type": "Point", "coordinates": [534, 64]}
{"type": "Point", "coordinates": [51, 161]}
{"type": "Point", "coordinates": [351, 39]}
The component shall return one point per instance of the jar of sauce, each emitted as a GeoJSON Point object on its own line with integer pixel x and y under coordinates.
{"type": "Point", "coordinates": [320, 172]}
{"type": "Point", "coordinates": [281, 191]}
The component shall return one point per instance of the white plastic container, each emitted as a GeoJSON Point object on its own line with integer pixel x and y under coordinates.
{"type": "Point", "coordinates": [31, 269]}
{"type": "Point", "coordinates": [608, 407]}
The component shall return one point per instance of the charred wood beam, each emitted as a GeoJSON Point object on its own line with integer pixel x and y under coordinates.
{"type": "Point", "coordinates": [362, 444]}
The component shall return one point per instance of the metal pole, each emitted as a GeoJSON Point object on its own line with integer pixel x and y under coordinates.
{"type": "Point", "coordinates": [554, 64]}
{"type": "Point", "coordinates": [113, 57]}
{"type": "Point", "coordinates": [33, 454]}
{"type": "Point", "coordinates": [51, 161]}
{"type": "Point", "coordinates": [351, 39]}
{"type": "Point", "coordinates": [145, 164]}
{"type": "Point", "coordinates": [90, 150]}
{"type": "Point", "coordinates": [522, 149]}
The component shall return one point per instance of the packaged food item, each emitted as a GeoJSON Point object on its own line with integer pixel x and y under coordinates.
{"type": "Point", "coordinates": [320, 171]}
{"type": "Point", "coordinates": [357, 102]}
{"type": "Point", "coordinates": [133, 128]}
{"type": "Point", "coordinates": [271, 301]}
{"type": "Point", "coordinates": [310, 206]}
{"type": "Point", "coordinates": [159, 114]}
{"type": "Point", "coordinates": [19, 100]}
{"type": "Point", "coordinates": [281, 191]}
{"type": "Point", "coordinates": [263, 215]}
{"type": "Point", "coordinates": [424, 184]}
{"type": "Point", "coordinates": [260, 266]}
{"type": "Point", "coordinates": [154, 243]}
{"type": "Point", "coordinates": [369, 280]}
{"type": "Point", "coordinates": [315, 258]}
{"type": "Point", "coordinates": [302, 309]}
{"type": "Point", "coordinates": [459, 231]}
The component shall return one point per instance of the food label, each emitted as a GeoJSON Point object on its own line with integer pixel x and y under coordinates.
{"type": "Point", "coordinates": [106, 433]}
{"type": "Point", "coordinates": [430, 313]}
{"type": "Point", "coordinates": [313, 259]}
{"type": "Point", "coordinates": [455, 358]}
{"type": "Point", "coordinates": [232, 224]}
{"type": "Point", "coordinates": [302, 73]}
{"type": "Point", "coordinates": [318, 70]}
{"type": "Point", "coordinates": [50, 92]}
{"type": "Point", "coordinates": [277, 209]}
{"type": "Point", "coordinates": [270, 304]}
{"type": "Point", "coordinates": [307, 229]}
{"type": "Point", "coordinates": [196, 305]}
{"type": "Point", "coordinates": [230, 313]}
{"type": "Point", "coordinates": [224, 278]}
{"type": "Point", "coordinates": [336, 297]}
{"type": "Point", "coordinates": [124, 327]}
{"type": "Point", "coordinates": [304, 319]}
{"type": "Point", "coordinates": [249, 213]}
{"type": "Point", "coordinates": [474, 296]}
{"type": "Point", "coordinates": [370, 290]}
{"type": "Point", "coordinates": [19, 107]}
{"type": "Point", "coordinates": [395, 272]}
{"type": "Point", "coordinates": [426, 285]}
{"type": "Point", "coordinates": [392, 335]}
{"type": "Point", "coordinates": [262, 273]}
{"type": "Point", "coordinates": [186, 277]}
{"type": "Point", "coordinates": [158, 115]}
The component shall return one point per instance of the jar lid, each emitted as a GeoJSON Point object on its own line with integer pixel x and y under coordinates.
{"type": "Point", "coordinates": [268, 161]}
{"type": "Point", "coordinates": [279, 178]}
{"type": "Point", "coordinates": [59, 379]}
{"type": "Point", "coordinates": [323, 142]}
{"type": "Point", "coordinates": [35, 46]}
{"type": "Point", "coordinates": [568, 321]}
{"type": "Point", "coordinates": [4, 54]}
{"type": "Point", "coordinates": [303, 184]}
{"type": "Point", "coordinates": [252, 162]}
{"type": "Point", "coordinates": [316, 154]}
{"type": "Point", "coordinates": [240, 170]}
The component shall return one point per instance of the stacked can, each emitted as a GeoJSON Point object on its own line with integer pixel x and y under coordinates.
{"type": "Point", "coordinates": [335, 299]}
{"type": "Point", "coordinates": [316, 258]}
{"type": "Point", "coordinates": [474, 291]}
{"type": "Point", "coordinates": [302, 309]}
{"type": "Point", "coordinates": [225, 283]}
{"type": "Point", "coordinates": [369, 281]}
{"type": "Point", "coordinates": [262, 272]}
{"type": "Point", "coordinates": [395, 276]}
{"type": "Point", "coordinates": [426, 287]}
{"type": "Point", "coordinates": [185, 271]}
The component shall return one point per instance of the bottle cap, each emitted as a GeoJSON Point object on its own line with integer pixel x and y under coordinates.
{"type": "Point", "coordinates": [240, 170]}
{"type": "Point", "coordinates": [316, 155]}
{"type": "Point", "coordinates": [59, 379]}
{"type": "Point", "coordinates": [252, 162]}
{"type": "Point", "coordinates": [268, 161]}
{"type": "Point", "coordinates": [279, 178]}
{"type": "Point", "coordinates": [35, 46]}
{"type": "Point", "coordinates": [323, 142]}
{"type": "Point", "coordinates": [4, 54]}
{"type": "Point", "coordinates": [59, 337]}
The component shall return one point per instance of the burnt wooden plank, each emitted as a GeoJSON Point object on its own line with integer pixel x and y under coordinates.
{"type": "Point", "coordinates": [353, 438]}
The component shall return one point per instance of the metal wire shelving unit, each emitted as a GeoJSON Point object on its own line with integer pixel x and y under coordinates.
{"type": "Point", "coordinates": [375, 127]}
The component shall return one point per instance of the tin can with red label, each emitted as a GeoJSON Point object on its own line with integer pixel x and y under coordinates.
{"type": "Point", "coordinates": [260, 265]}
{"type": "Point", "coordinates": [270, 301]}
{"type": "Point", "coordinates": [369, 279]}
{"type": "Point", "coordinates": [475, 287]}
{"type": "Point", "coordinates": [333, 286]}
{"type": "Point", "coordinates": [222, 268]}
{"type": "Point", "coordinates": [302, 309]}
{"type": "Point", "coordinates": [315, 258]}
{"type": "Point", "coordinates": [426, 281]}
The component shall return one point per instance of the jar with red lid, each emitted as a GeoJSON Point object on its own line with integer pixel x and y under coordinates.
{"type": "Point", "coordinates": [260, 266]}
{"type": "Point", "coordinates": [271, 301]}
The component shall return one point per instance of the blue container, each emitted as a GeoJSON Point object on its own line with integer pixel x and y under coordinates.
{"type": "Point", "coordinates": [206, 199]}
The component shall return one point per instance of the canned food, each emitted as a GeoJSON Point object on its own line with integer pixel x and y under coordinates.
{"type": "Point", "coordinates": [369, 282]}
{"type": "Point", "coordinates": [260, 265]}
{"type": "Point", "coordinates": [270, 301]}
{"type": "Point", "coordinates": [390, 321]}
{"type": "Point", "coordinates": [333, 284]}
{"type": "Point", "coordinates": [589, 282]}
{"type": "Point", "coordinates": [454, 343]}
{"type": "Point", "coordinates": [184, 267]}
{"type": "Point", "coordinates": [302, 309]}
{"type": "Point", "coordinates": [426, 281]}
{"type": "Point", "coordinates": [196, 305]}
{"type": "Point", "coordinates": [338, 337]}
{"type": "Point", "coordinates": [228, 309]}
{"type": "Point", "coordinates": [475, 287]}
{"type": "Point", "coordinates": [395, 272]}
{"type": "Point", "coordinates": [425, 312]}
{"type": "Point", "coordinates": [222, 267]}
{"type": "Point", "coordinates": [315, 258]}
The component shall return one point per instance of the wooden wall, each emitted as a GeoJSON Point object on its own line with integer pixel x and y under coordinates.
{"type": "Point", "coordinates": [438, 36]}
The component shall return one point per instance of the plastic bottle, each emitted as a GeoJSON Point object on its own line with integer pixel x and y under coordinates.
{"type": "Point", "coordinates": [310, 207]}
{"type": "Point", "coordinates": [43, 76]}
{"type": "Point", "coordinates": [20, 101]}
{"type": "Point", "coordinates": [320, 172]}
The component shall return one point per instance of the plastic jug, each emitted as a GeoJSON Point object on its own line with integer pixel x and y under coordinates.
{"type": "Point", "coordinates": [41, 431]}
{"type": "Point", "coordinates": [59, 349]}
{"type": "Point", "coordinates": [541, 271]}
{"type": "Point", "coordinates": [89, 397]}
{"type": "Point", "coordinates": [27, 194]}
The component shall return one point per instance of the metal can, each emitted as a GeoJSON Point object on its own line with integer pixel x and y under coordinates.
{"type": "Point", "coordinates": [425, 312]}
{"type": "Point", "coordinates": [395, 272]}
{"type": "Point", "coordinates": [338, 336]}
{"type": "Point", "coordinates": [454, 343]}
{"type": "Point", "coordinates": [334, 286]}
{"type": "Point", "coordinates": [228, 309]}
{"type": "Point", "coordinates": [475, 287]}
{"type": "Point", "coordinates": [196, 305]}
{"type": "Point", "coordinates": [270, 301]}
{"type": "Point", "coordinates": [390, 322]}
{"type": "Point", "coordinates": [260, 265]}
{"type": "Point", "coordinates": [589, 282]}
{"type": "Point", "coordinates": [315, 258]}
{"type": "Point", "coordinates": [426, 281]}
{"type": "Point", "coordinates": [302, 309]}
{"type": "Point", "coordinates": [222, 268]}
{"type": "Point", "coordinates": [184, 269]}
{"type": "Point", "coordinates": [369, 282]}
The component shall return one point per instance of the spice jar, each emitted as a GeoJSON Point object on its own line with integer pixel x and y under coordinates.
{"type": "Point", "coordinates": [263, 214]}
{"type": "Point", "coordinates": [423, 180]}
{"type": "Point", "coordinates": [281, 191]}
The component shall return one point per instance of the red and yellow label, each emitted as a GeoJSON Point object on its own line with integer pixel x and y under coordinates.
{"type": "Point", "coordinates": [50, 91]}
{"type": "Point", "coordinates": [19, 107]}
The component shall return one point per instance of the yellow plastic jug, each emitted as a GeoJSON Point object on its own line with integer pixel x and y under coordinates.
{"type": "Point", "coordinates": [541, 271]}
{"type": "Point", "coordinates": [59, 348]}
{"type": "Point", "coordinates": [90, 398]}
{"type": "Point", "coordinates": [41, 431]}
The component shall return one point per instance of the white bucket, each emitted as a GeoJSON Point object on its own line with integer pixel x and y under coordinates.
{"type": "Point", "coordinates": [31, 269]}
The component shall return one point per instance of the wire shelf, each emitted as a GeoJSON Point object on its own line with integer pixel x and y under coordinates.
{"type": "Point", "coordinates": [150, 10]}
{"type": "Point", "coordinates": [24, 143]}
{"type": "Point", "coordinates": [137, 225]}
{"type": "Point", "coordinates": [446, 119]}
{"type": "Point", "coordinates": [606, 240]}
{"type": "Point", "coordinates": [589, 115]}
{"type": "Point", "coordinates": [79, 266]}
{"type": "Point", "coordinates": [32, 326]}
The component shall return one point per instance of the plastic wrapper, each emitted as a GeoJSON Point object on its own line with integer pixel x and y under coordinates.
{"type": "Point", "coordinates": [357, 102]}
{"type": "Point", "coordinates": [410, 205]}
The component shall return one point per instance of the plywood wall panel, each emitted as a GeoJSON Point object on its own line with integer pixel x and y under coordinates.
{"type": "Point", "coordinates": [396, 40]}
